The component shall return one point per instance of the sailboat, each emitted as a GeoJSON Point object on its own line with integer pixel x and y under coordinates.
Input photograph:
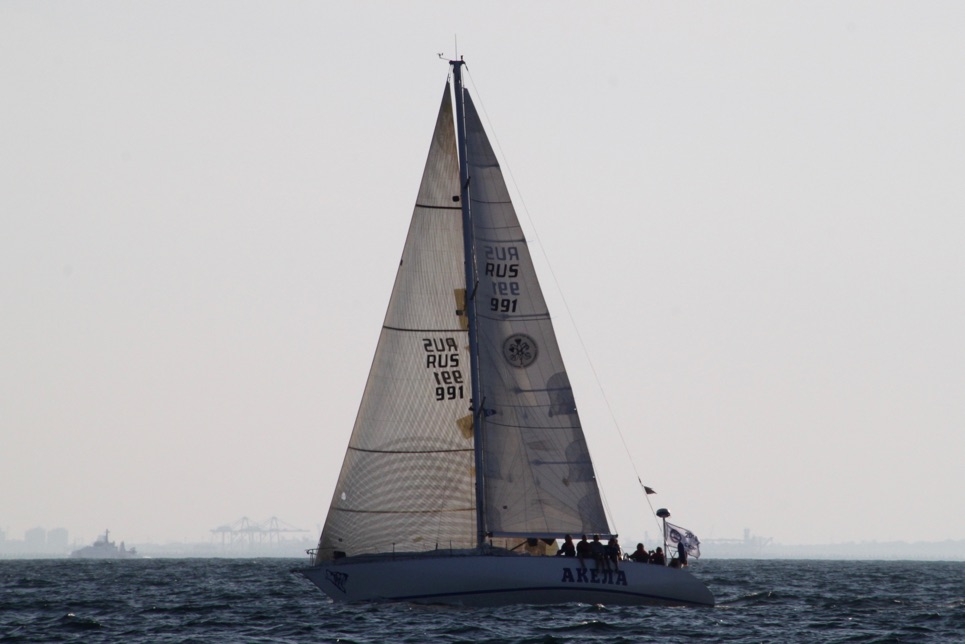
{"type": "Point", "coordinates": [467, 458]}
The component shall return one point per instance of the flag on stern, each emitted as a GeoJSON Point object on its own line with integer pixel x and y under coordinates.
{"type": "Point", "coordinates": [676, 534]}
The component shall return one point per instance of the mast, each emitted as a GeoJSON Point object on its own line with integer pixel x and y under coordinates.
{"type": "Point", "coordinates": [470, 252]}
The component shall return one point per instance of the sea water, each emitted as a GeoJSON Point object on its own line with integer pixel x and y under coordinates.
{"type": "Point", "coordinates": [260, 600]}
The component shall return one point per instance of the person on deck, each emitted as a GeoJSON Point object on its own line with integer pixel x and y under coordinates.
{"type": "Point", "coordinates": [613, 553]}
{"type": "Point", "coordinates": [640, 555]}
{"type": "Point", "coordinates": [658, 557]}
{"type": "Point", "coordinates": [583, 551]}
{"type": "Point", "coordinates": [598, 550]}
{"type": "Point", "coordinates": [682, 553]}
{"type": "Point", "coordinates": [567, 549]}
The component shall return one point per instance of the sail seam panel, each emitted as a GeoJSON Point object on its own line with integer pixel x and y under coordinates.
{"type": "Point", "coordinates": [555, 427]}
{"type": "Point", "coordinates": [493, 240]}
{"type": "Point", "coordinates": [520, 405]}
{"type": "Point", "coordinates": [516, 318]}
{"type": "Point", "coordinates": [542, 390]}
{"type": "Point", "coordinates": [492, 202]}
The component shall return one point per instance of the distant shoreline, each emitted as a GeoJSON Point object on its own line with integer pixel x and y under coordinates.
{"type": "Point", "coordinates": [949, 550]}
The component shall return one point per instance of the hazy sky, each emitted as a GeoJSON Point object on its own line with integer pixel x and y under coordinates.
{"type": "Point", "coordinates": [755, 213]}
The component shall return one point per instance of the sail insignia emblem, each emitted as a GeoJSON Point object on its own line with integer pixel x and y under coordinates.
{"type": "Point", "coordinates": [520, 350]}
{"type": "Point", "coordinates": [337, 578]}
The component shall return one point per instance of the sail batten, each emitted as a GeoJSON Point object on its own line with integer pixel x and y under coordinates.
{"type": "Point", "coordinates": [398, 511]}
{"type": "Point", "coordinates": [421, 451]}
{"type": "Point", "coordinates": [439, 330]}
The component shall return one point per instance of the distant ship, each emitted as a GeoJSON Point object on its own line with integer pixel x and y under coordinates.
{"type": "Point", "coordinates": [104, 548]}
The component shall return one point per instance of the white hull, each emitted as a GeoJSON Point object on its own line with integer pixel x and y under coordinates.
{"type": "Point", "coordinates": [493, 581]}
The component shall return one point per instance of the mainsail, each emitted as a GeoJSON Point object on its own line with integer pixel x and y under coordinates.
{"type": "Point", "coordinates": [407, 482]}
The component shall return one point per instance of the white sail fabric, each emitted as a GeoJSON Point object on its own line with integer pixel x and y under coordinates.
{"type": "Point", "coordinates": [539, 480]}
{"type": "Point", "coordinates": [407, 482]}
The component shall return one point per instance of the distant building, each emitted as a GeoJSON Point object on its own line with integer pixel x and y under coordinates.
{"type": "Point", "coordinates": [35, 538]}
{"type": "Point", "coordinates": [57, 540]}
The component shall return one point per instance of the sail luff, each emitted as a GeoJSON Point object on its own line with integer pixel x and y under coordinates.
{"type": "Point", "coordinates": [465, 192]}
